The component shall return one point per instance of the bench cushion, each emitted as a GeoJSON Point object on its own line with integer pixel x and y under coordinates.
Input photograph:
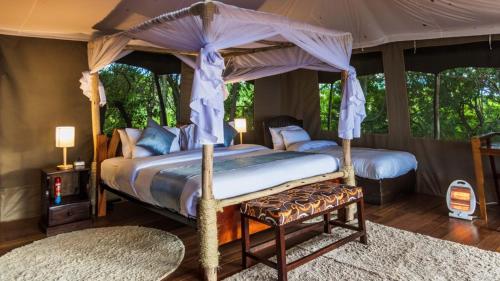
{"type": "Point", "coordinates": [300, 202]}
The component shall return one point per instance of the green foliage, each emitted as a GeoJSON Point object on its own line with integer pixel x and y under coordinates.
{"type": "Point", "coordinates": [132, 97]}
{"type": "Point", "coordinates": [469, 102]}
{"type": "Point", "coordinates": [240, 102]}
{"type": "Point", "coordinates": [376, 110]}
{"type": "Point", "coordinates": [420, 87]}
{"type": "Point", "coordinates": [329, 114]}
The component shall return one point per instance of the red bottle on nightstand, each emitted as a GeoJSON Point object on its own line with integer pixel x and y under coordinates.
{"type": "Point", "coordinates": [57, 190]}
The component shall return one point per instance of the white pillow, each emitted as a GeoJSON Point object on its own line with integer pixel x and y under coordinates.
{"type": "Point", "coordinates": [294, 136]}
{"type": "Point", "coordinates": [139, 152]}
{"type": "Point", "coordinates": [277, 138]}
{"type": "Point", "coordinates": [126, 149]}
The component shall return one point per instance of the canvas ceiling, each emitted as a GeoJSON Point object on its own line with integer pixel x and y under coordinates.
{"type": "Point", "coordinates": [371, 22]}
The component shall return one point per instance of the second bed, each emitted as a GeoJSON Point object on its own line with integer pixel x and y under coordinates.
{"type": "Point", "coordinates": [383, 174]}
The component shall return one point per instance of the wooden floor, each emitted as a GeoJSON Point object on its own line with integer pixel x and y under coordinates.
{"type": "Point", "coordinates": [417, 213]}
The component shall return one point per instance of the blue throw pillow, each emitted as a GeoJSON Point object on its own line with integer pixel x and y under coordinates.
{"type": "Point", "coordinates": [156, 139]}
{"type": "Point", "coordinates": [229, 134]}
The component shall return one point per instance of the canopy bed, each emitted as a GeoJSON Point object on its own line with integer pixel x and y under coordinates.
{"type": "Point", "coordinates": [227, 44]}
{"type": "Point", "coordinates": [383, 174]}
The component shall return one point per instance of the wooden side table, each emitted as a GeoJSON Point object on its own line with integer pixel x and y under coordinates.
{"type": "Point", "coordinates": [74, 210]}
{"type": "Point", "coordinates": [482, 146]}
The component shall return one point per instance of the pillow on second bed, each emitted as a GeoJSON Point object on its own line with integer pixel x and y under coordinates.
{"type": "Point", "coordinates": [277, 138]}
{"type": "Point", "coordinates": [294, 136]}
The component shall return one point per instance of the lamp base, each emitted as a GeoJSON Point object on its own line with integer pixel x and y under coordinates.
{"type": "Point", "coordinates": [65, 167]}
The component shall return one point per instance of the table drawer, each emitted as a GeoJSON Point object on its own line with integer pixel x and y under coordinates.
{"type": "Point", "coordinates": [69, 213]}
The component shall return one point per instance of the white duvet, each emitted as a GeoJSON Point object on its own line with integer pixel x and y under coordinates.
{"type": "Point", "coordinates": [368, 163]}
{"type": "Point", "coordinates": [134, 176]}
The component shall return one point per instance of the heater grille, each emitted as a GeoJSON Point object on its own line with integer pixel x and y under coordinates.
{"type": "Point", "coordinates": [461, 200]}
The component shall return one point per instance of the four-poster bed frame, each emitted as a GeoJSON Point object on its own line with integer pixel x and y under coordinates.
{"type": "Point", "coordinates": [228, 220]}
{"type": "Point", "coordinates": [208, 206]}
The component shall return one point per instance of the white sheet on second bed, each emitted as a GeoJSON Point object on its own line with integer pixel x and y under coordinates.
{"type": "Point", "coordinates": [368, 162]}
{"type": "Point", "coordinates": [134, 176]}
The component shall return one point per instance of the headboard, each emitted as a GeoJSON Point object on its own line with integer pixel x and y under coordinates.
{"type": "Point", "coordinates": [276, 122]}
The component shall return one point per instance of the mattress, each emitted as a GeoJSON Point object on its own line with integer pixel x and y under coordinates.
{"type": "Point", "coordinates": [375, 164]}
{"type": "Point", "coordinates": [135, 176]}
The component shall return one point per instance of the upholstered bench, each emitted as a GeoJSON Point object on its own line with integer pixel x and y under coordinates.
{"type": "Point", "coordinates": [295, 206]}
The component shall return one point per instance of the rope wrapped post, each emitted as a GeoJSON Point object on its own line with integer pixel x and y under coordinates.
{"type": "Point", "coordinates": [347, 162]}
{"type": "Point", "coordinates": [207, 218]}
{"type": "Point", "coordinates": [100, 199]}
{"type": "Point", "coordinates": [207, 207]}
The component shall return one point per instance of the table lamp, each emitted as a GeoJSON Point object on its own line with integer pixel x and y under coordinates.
{"type": "Point", "coordinates": [240, 125]}
{"type": "Point", "coordinates": [65, 137]}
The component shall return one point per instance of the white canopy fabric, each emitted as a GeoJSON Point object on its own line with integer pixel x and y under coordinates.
{"type": "Point", "coordinates": [370, 22]}
{"type": "Point", "coordinates": [234, 30]}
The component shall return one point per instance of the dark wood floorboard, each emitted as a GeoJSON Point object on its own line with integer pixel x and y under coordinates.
{"type": "Point", "coordinates": [417, 213]}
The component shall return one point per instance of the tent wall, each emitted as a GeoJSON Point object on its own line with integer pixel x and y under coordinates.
{"type": "Point", "coordinates": [39, 90]}
{"type": "Point", "coordinates": [294, 93]}
{"type": "Point", "coordinates": [267, 101]}
{"type": "Point", "coordinates": [302, 99]}
{"type": "Point", "coordinates": [187, 74]}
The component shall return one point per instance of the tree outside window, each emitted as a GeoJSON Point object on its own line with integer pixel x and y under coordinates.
{"type": "Point", "coordinates": [135, 94]}
{"type": "Point", "coordinates": [454, 104]}
{"type": "Point", "coordinates": [240, 102]}
{"type": "Point", "coordinates": [376, 110]}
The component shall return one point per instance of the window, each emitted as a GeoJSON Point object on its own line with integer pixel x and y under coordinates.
{"type": "Point", "coordinates": [135, 94]}
{"type": "Point", "coordinates": [240, 102]}
{"type": "Point", "coordinates": [454, 104]}
{"type": "Point", "coordinates": [329, 97]}
{"type": "Point", "coordinates": [376, 111]}
{"type": "Point", "coordinates": [420, 87]}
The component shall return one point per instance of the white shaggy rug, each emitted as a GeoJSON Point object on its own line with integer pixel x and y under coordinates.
{"type": "Point", "coordinates": [108, 253]}
{"type": "Point", "coordinates": [392, 254]}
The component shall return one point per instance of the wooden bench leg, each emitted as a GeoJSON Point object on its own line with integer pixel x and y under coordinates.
{"type": "Point", "coordinates": [361, 220]}
{"type": "Point", "coordinates": [281, 253]}
{"type": "Point", "coordinates": [245, 242]}
{"type": "Point", "coordinates": [327, 228]}
{"type": "Point", "coordinates": [341, 215]}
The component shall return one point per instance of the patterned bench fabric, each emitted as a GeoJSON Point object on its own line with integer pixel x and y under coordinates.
{"type": "Point", "coordinates": [300, 202]}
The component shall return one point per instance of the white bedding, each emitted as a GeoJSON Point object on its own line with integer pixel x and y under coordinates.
{"type": "Point", "coordinates": [368, 162]}
{"type": "Point", "coordinates": [134, 176]}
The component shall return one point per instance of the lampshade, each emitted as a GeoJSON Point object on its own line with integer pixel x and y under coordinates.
{"type": "Point", "coordinates": [65, 136]}
{"type": "Point", "coordinates": [240, 125]}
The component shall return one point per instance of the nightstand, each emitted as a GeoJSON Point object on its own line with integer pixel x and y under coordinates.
{"type": "Point", "coordinates": [74, 211]}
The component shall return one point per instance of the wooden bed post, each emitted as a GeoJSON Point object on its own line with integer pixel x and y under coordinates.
{"type": "Point", "coordinates": [207, 218]}
{"type": "Point", "coordinates": [100, 199]}
{"type": "Point", "coordinates": [478, 169]}
{"type": "Point", "coordinates": [207, 207]}
{"type": "Point", "coordinates": [347, 165]}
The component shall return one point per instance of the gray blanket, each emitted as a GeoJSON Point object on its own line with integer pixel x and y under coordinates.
{"type": "Point", "coordinates": [167, 185]}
